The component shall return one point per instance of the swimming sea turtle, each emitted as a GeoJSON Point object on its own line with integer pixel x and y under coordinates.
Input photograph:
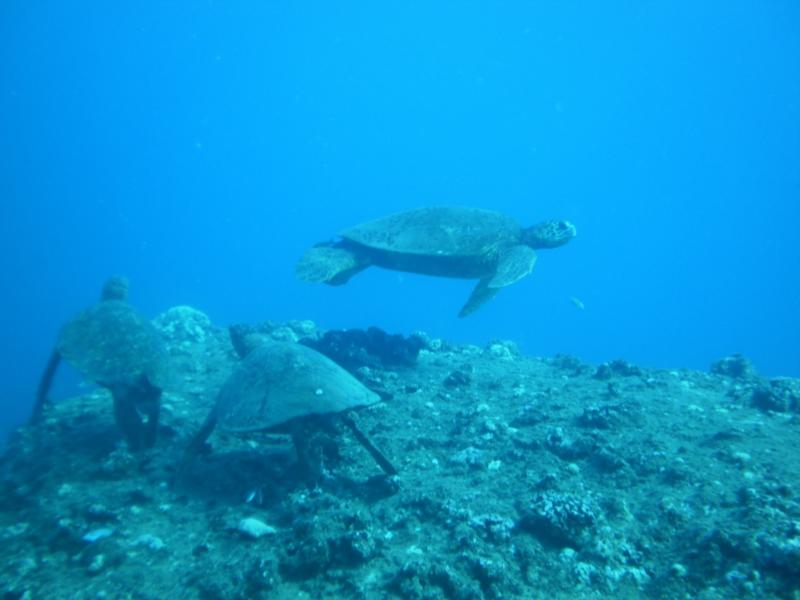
{"type": "Point", "coordinates": [113, 345]}
{"type": "Point", "coordinates": [286, 387]}
{"type": "Point", "coordinates": [448, 241]}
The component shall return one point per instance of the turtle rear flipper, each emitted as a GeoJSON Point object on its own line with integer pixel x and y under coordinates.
{"type": "Point", "coordinates": [331, 264]}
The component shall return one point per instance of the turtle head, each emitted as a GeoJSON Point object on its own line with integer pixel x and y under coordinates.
{"type": "Point", "coordinates": [548, 234]}
{"type": "Point", "coordinates": [115, 288]}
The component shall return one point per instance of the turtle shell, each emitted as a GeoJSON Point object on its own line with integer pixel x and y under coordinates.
{"type": "Point", "coordinates": [111, 343]}
{"type": "Point", "coordinates": [438, 231]}
{"type": "Point", "coordinates": [281, 381]}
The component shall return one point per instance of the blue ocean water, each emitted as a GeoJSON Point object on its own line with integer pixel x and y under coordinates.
{"type": "Point", "coordinates": [200, 147]}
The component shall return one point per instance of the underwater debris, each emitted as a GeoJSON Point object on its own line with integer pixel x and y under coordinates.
{"type": "Point", "coordinates": [97, 534]}
{"type": "Point", "coordinates": [254, 529]}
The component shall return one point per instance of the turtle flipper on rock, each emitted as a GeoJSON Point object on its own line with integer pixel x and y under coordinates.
{"type": "Point", "coordinates": [446, 241]}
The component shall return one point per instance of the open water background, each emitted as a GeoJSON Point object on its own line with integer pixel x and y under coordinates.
{"type": "Point", "coordinates": [200, 147]}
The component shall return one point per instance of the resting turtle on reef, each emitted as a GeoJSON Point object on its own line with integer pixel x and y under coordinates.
{"type": "Point", "coordinates": [119, 349]}
{"type": "Point", "coordinates": [286, 387]}
{"type": "Point", "coordinates": [448, 241]}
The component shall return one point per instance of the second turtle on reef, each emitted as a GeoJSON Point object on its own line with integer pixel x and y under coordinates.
{"type": "Point", "coordinates": [286, 387]}
{"type": "Point", "coordinates": [448, 241]}
{"type": "Point", "coordinates": [116, 347]}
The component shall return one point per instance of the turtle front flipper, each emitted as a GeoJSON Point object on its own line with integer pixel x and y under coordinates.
{"type": "Point", "coordinates": [514, 264]}
{"type": "Point", "coordinates": [480, 296]}
{"type": "Point", "coordinates": [127, 417]}
{"type": "Point", "coordinates": [333, 264]}
{"type": "Point", "coordinates": [376, 454]}
{"type": "Point", "coordinates": [45, 383]}
{"type": "Point", "coordinates": [195, 445]}
{"type": "Point", "coordinates": [132, 401]}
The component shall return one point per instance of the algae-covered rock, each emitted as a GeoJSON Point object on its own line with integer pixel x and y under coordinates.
{"type": "Point", "coordinates": [526, 478]}
{"type": "Point", "coordinates": [560, 519]}
{"type": "Point", "coordinates": [735, 366]}
{"type": "Point", "coordinates": [373, 348]}
{"type": "Point", "coordinates": [778, 395]}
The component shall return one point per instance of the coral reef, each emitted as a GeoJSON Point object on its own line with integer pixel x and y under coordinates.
{"type": "Point", "coordinates": [518, 477]}
{"type": "Point", "coordinates": [373, 348]}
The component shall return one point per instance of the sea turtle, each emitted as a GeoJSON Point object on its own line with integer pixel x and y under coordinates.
{"type": "Point", "coordinates": [113, 345]}
{"type": "Point", "coordinates": [448, 241]}
{"type": "Point", "coordinates": [286, 387]}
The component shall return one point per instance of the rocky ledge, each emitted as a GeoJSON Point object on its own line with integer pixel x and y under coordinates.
{"type": "Point", "coordinates": [518, 477]}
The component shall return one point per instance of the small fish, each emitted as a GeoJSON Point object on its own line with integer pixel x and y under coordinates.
{"type": "Point", "coordinates": [255, 496]}
{"type": "Point", "coordinates": [577, 302]}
